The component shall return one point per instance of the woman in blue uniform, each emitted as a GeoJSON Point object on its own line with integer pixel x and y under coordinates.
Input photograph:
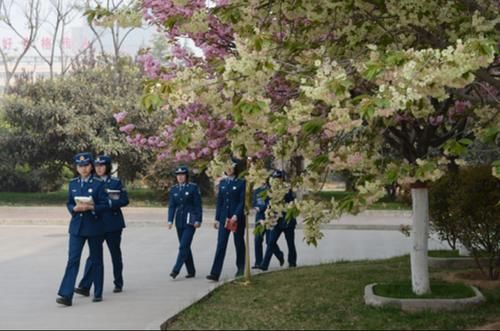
{"type": "Point", "coordinates": [114, 224]}
{"type": "Point", "coordinates": [230, 207]}
{"type": "Point", "coordinates": [260, 201]}
{"type": "Point", "coordinates": [184, 207]}
{"type": "Point", "coordinates": [87, 200]}
{"type": "Point", "coordinates": [283, 226]}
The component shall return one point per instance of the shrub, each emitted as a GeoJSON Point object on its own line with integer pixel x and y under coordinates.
{"type": "Point", "coordinates": [477, 202]}
{"type": "Point", "coordinates": [466, 207]}
{"type": "Point", "coordinates": [443, 223]}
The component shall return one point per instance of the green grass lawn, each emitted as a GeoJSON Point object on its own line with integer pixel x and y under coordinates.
{"type": "Point", "coordinates": [443, 253]}
{"type": "Point", "coordinates": [329, 296]}
{"type": "Point", "coordinates": [384, 203]}
{"type": "Point", "coordinates": [138, 198]}
{"type": "Point", "coordinates": [440, 290]}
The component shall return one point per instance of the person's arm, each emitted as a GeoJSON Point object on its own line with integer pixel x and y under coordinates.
{"type": "Point", "coordinates": [198, 206]}
{"type": "Point", "coordinates": [172, 206]}
{"type": "Point", "coordinates": [123, 200]}
{"type": "Point", "coordinates": [218, 206]}
{"type": "Point", "coordinates": [101, 202]}
{"type": "Point", "coordinates": [240, 207]}
{"type": "Point", "coordinates": [70, 204]}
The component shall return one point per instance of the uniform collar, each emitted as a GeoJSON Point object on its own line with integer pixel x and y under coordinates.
{"type": "Point", "coordinates": [86, 179]}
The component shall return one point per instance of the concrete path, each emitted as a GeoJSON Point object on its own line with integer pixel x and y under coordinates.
{"type": "Point", "coordinates": [33, 257]}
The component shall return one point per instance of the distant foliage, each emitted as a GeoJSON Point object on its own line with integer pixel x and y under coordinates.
{"type": "Point", "coordinates": [50, 121]}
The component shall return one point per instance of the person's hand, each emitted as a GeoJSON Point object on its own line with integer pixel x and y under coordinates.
{"type": "Point", "coordinates": [257, 209]}
{"type": "Point", "coordinates": [82, 208]}
{"type": "Point", "coordinates": [197, 225]}
{"type": "Point", "coordinates": [170, 225]}
{"type": "Point", "coordinates": [234, 218]}
{"type": "Point", "coordinates": [262, 222]}
{"type": "Point", "coordinates": [216, 225]}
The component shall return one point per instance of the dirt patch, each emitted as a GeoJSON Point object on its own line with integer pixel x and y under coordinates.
{"type": "Point", "coordinates": [491, 326]}
{"type": "Point", "coordinates": [472, 277]}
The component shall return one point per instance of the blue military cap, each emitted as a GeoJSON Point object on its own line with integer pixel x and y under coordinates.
{"type": "Point", "coordinates": [182, 170]}
{"type": "Point", "coordinates": [234, 161]}
{"type": "Point", "coordinates": [102, 159]}
{"type": "Point", "coordinates": [278, 174]}
{"type": "Point", "coordinates": [83, 159]}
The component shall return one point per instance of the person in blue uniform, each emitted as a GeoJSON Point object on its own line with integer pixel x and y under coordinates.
{"type": "Point", "coordinates": [230, 206]}
{"type": "Point", "coordinates": [282, 226]}
{"type": "Point", "coordinates": [260, 201]}
{"type": "Point", "coordinates": [114, 224]}
{"type": "Point", "coordinates": [86, 225]}
{"type": "Point", "coordinates": [184, 207]}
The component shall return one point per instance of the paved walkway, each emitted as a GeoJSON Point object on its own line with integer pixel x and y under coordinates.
{"type": "Point", "coordinates": [33, 257]}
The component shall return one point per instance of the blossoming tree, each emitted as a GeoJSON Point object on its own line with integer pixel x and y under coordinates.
{"type": "Point", "coordinates": [391, 90]}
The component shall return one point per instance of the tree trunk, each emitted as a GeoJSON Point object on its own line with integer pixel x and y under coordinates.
{"type": "Point", "coordinates": [248, 205]}
{"type": "Point", "coordinates": [419, 237]}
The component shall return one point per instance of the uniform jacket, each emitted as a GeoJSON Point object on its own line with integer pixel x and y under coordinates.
{"type": "Point", "coordinates": [282, 223]}
{"type": "Point", "coordinates": [113, 216]}
{"type": "Point", "coordinates": [231, 200]}
{"type": "Point", "coordinates": [89, 223]}
{"type": "Point", "coordinates": [184, 205]}
{"type": "Point", "coordinates": [259, 202]}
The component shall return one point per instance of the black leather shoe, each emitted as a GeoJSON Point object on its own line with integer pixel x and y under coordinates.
{"type": "Point", "coordinates": [255, 267]}
{"type": "Point", "coordinates": [212, 277]}
{"type": "Point", "coordinates": [292, 265]}
{"type": "Point", "coordinates": [282, 261]}
{"type": "Point", "coordinates": [117, 290]}
{"type": "Point", "coordinates": [239, 273]}
{"type": "Point", "coordinates": [64, 301]}
{"type": "Point", "coordinates": [173, 274]}
{"type": "Point", "coordinates": [97, 299]}
{"type": "Point", "coordinates": [190, 275]}
{"type": "Point", "coordinates": [82, 291]}
{"type": "Point", "coordinates": [262, 268]}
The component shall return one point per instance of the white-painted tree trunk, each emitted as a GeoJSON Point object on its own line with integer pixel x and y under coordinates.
{"type": "Point", "coordinates": [419, 237]}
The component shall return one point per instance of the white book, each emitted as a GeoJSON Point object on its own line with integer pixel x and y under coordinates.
{"type": "Point", "coordinates": [82, 200]}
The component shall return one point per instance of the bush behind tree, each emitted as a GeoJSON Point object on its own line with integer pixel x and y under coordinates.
{"type": "Point", "coordinates": [465, 207]}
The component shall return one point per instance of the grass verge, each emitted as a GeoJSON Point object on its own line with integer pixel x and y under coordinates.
{"type": "Point", "coordinates": [443, 253]}
{"type": "Point", "coordinates": [138, 198]}
{"type": "Point", "coordinates": [440, 290]}
{"type": "Point", "coordinates": [328, 296]}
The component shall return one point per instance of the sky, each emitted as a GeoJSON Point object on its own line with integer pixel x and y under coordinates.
{"type": "Point", "coordinates": [77, 36]}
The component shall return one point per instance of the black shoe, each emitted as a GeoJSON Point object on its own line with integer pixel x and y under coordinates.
{"type": "Point", "coordinates": [190, 275]}
{"type": "Point", "coordinates": [82, 291]}
{"type": "Point", "coordinates": [64, 301]}
{"type": "Point", "coordinates": [239, 273]}
{"type": "Point", "coordinates": [282, 261]}
{"type": "Point", "coordinates": [213, 277]}
{"type": "Point", "coordinates": [256, 267]}
{"type": "Point", "coordinates": [117, 290]}
{"type": "Point", "coordinates": [97, 299]}
{"type": "Point", "coordinates": [262, 268]}
{"type": "Point", "coordinates": [173, 274]}
{"type": "Point", "coordinates": [292, 265]}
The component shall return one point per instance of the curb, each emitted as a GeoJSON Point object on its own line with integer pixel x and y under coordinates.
{"type": "Point", "coordinates": [414, 305]}
{"type": "Point", "coordinates": [134, 224]}
{"type": "Point", "coordinates": [458, 262]}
